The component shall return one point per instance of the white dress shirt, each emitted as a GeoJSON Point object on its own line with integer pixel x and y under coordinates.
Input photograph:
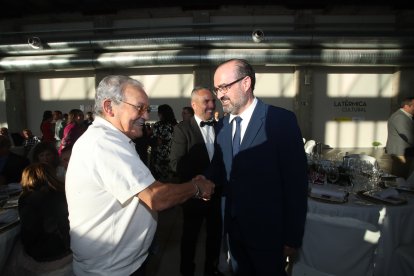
{"type": "Point", "coordinates": [246, 115]}
{"type": "Point", "coordinates": [110, 228]}
{"type": "Point", "coordinates": [208, 136]}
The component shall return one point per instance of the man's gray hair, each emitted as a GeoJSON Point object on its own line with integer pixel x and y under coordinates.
{"type": "Point", "coordinates": [113, 87]}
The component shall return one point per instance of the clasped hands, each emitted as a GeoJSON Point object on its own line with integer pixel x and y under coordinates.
{"type": "Point", "coordinates": [205, 188]}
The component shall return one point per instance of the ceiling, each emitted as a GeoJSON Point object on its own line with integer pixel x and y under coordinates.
{"type": "Point", "coordinates": [26, 8]}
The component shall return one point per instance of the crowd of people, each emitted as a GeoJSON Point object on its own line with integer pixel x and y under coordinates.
{"type": "Point", "coordinates": [103, 222]}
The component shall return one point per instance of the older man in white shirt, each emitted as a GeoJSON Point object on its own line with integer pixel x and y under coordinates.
{"type": "Point", "coordinates": [112, 197]}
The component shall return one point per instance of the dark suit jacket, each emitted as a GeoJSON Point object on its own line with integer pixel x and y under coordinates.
{"type": "Point", "coordinates": [188, 155]}
{"type": "Point", "coordinates": [400, 140]}
{"type": "Point", "coordinates": [266, 183]}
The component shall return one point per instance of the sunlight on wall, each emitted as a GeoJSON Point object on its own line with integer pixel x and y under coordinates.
{"type": "Point", "coordinates": [354, 110]}
{"type": "Point", "coordinates": [355, 134]}
{"type": "Point", "coordinates": [67, 88]}
{"type": "Point", "coordinates": [167, 86]}
{"type": "Point", "coordinates": [274, 85]}
{"type": "Point", "coordinates": [276, 89]}
{"type": "Point", "coordinates": [360, 85]}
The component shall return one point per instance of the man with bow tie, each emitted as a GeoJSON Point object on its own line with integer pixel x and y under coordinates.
{"type": "Point", "coordinates": [191, 152]}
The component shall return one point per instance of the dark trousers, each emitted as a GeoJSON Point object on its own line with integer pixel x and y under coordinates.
{"type": "Point", "coordinates": [194, 213]}
{"type": "Point", "coordinates": [251, 261]}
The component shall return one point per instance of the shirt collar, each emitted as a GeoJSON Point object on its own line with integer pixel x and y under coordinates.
{"type": "Point", "coordinates": [247, 114]}
{"type": "Point", "coordinates": [406, 113]}
{"type": "Point", "coordinates": [198, 120]}
{"type": "Point", "coordinates": [99, 121]}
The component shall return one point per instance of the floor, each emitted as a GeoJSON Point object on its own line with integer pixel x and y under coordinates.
{"type": "Point", "coordinates": [165, 259]}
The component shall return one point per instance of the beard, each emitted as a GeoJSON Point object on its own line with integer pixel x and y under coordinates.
{"type": "Point", "coordinates": [233, 107]}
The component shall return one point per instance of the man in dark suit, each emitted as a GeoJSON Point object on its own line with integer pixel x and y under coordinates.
{"type": "Point", "coordinates": [264, 174]}
{"type": "Point", "coordinates": [400, 140]}
{"type": "Point", "coordinates": [191, 151]}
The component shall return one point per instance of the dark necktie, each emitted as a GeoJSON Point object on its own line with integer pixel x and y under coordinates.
{"type": "Point", "coordinates": [236, 138]}
{"type": "Point", "coordinates": [207, 123]}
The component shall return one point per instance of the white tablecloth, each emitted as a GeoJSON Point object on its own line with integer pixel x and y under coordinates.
{"type": "Point", "coordinates": [396, 224]}
{"type": "Point", "coordinates": [7, 240]}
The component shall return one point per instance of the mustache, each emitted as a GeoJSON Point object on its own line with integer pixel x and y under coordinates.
{"type": "Point", "coordinates": [224, 98]}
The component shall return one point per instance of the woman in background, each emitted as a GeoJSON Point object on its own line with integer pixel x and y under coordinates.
{"type": "Point", "coordinates": [73, 129]}
{"type": "Point", "coordinates": [44, 245]}
{"type": "Point", "coordinates": [47, 127]}
{"type": "Point", "coordinates": [45, 153]}
{"type": "Point", "coordinates": [162, 132]}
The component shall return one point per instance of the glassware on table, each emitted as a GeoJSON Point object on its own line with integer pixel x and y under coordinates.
{"type": "Point", "coordinates": [332, 172]}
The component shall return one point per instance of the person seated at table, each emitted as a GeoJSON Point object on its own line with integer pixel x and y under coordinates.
{"type": "Point", "coordinates": [44, 244]}
{"type": "Point", "coordinates": [11, 164]}
{"type": "Point", "coordinates": [44, 152]}
{"type": "Point", "coordinates": [29, 141]}
{"type": "Point", "coordinates": [64, 162]}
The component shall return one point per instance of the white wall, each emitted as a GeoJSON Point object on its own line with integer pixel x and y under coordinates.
{"type": "Point", "coordinates": [351, 108]}
{"type": "Point", "coordinates": [334, 122]}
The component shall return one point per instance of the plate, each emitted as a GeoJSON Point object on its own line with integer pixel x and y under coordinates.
{"type": "Point", "coordinates": [370, 196]}
{"type": "Point", "coordinates": [393, 184]}
{"type": "Point", "coordinates": [328, 199]}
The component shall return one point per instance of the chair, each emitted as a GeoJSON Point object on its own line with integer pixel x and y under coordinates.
{"type": "Point", "coordinates": [338, 246]}
{"type": "Point", "coordinates": [403, 260]}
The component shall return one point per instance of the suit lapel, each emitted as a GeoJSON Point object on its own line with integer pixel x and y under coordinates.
{"type": "Point", "coordinates": [255, 124]}
{"type": "Point", "coordinates": [198, 138]}
{"type": "Point", "coordinates": [197, 131]}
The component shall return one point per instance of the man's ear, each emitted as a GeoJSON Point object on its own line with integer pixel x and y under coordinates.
{"type": "Point", "coordinates": [247, 82]}
{"type": "Point", "coordinates": [107, 107]}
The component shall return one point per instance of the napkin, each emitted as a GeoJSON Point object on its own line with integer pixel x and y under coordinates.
{"type": "Point", "coordinates": [389, 192]}
{"type": "Point", "coordinates": [14, 187]}
{"type": "Point", "coordinates": [8, 216]}
{"type": "Point", "coordinates": [328, 192]}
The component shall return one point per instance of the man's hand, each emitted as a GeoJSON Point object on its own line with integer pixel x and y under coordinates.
{"type": "Point", "coordinates": [289, 251]}
{"type": "Point", "coordinates": [205, 186]}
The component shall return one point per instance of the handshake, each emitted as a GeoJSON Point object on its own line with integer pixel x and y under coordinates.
{"type": "Point", "coordinates": [204, 188]}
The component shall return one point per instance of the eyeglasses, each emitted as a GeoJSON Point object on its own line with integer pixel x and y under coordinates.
{"type": "Point", "coordinates": [225, 87]}
{"type": "Point", "coordinates": [140, 108]}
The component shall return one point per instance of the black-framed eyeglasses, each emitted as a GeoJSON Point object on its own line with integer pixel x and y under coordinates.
{"type": "Point", "coordinates": [225, 87]}
{"type": "Point", "coordinates": [140, 108]}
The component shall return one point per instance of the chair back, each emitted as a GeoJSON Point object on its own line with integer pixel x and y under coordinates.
{"type": "Point", "coordinates": [337, 246]}
{"type": "Point", "coordinates": [403, 260]}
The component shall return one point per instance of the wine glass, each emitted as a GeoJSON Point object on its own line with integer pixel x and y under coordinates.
{"type": "Point", "coordinates": [333, 173]}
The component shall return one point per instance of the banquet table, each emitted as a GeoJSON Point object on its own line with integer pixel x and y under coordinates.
{"type": "Point", "coordinates": [9, 222]}
{"type": "Point", "coordinates": [395, 223]}
{"type": "Point", "coordinates": [8, 237]}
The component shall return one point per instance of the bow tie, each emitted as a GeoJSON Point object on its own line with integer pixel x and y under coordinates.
{"type": "Point", "coordinates": [207, 123]}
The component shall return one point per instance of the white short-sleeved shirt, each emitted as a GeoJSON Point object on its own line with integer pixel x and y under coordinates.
{"type": "Point", "coordinates": [110, 229]}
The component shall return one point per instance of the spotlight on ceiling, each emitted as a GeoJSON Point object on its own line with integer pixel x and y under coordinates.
{"type": "Point", "coordinates": [35, 42]}
{"type": "Point", "coordinates": [258, 35]}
